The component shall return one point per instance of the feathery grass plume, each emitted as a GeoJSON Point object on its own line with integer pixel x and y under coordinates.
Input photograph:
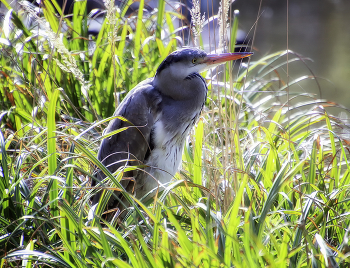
{"type": "Point", "coordinates": [111, 19]}
{"type": "Point", "coordinates": [223, 21]}
{"type": "Point", "coordinates": [197, 20]}
{"type": "Point", "coordinates": [111, 9]}
{"type": "Point", "coordinates": [67, 62]}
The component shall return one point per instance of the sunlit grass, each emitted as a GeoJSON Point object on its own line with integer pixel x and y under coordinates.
{"type": "Point", "coordinates": [265, 175]}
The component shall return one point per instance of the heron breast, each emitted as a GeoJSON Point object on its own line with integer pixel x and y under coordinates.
{"type": "Point", "coordinates": [167, 153]}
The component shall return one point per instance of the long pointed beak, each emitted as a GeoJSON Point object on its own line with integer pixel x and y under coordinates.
{"type": "Point", "coordinates": [216, 59]}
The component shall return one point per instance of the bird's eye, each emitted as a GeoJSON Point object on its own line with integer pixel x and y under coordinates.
{"type": "Point", "coordinates": [194, 60]}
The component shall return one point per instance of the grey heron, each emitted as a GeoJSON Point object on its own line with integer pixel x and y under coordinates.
{"type": "Point", "coordinates": [163, 109]}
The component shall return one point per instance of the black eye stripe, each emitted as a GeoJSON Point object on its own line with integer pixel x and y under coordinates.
{"type": "Point", "coordinates": [193, 56]}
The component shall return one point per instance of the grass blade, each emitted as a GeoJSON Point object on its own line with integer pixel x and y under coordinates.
{"type": "Point", "coordinates": [51, 150]}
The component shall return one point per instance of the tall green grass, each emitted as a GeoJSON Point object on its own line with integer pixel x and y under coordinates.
{"type": "Point", "coordinates": [265, 176]}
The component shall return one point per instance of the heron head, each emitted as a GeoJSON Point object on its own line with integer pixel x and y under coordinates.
{"type": "Point", "coordinates": [182, 63]}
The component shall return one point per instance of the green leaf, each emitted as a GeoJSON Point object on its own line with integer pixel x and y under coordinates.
{"type": "Point", "coordinates": [137, 44]}
{"type": "Point", "coordinates": [197, 166]}
{"type": "Point", "coordinates": [51, 150]}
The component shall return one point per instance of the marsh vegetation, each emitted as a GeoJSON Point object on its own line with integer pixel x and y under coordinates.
{"type": "Point", "coordinates": [265, 176]}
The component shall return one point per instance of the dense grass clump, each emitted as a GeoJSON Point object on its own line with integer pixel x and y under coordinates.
{"type": "Point", "coordinates": [265, 179]}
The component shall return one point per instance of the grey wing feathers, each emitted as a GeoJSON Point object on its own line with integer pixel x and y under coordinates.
{"type": "Point", "coordinates": [140, 108]}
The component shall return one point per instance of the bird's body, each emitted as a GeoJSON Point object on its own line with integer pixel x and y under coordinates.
{"type": "Point", "coordinates": [162, 111]}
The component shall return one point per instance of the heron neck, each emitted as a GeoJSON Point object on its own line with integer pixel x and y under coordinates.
{"type": "Point", "coordinates": [191, 88]}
